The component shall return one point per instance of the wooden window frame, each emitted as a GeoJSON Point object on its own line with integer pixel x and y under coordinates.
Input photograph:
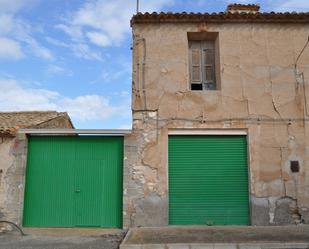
{"type": "Point", "coordinates": [204, 41]}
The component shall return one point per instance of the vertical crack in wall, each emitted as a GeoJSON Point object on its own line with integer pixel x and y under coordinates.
{"type": "Point", "coordinates": [273, 101]}
{"type": "Point", "coordinates": [265, 98]}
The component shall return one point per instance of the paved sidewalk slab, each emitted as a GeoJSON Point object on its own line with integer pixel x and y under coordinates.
{"type": "Point", "coordinates": [219, 246]}
{"type": "Point", "coordinates": [231, 237]}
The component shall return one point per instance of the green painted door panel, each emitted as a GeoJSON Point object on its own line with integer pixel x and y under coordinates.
{"type": "Point", "coordinates": [208, 180]}
{"type": "Point", "coordinates": [98, 184]}
{"type": "Point", "coordinates": [74, 181]}
{"type": "Point", "coordinates": [89, 193]}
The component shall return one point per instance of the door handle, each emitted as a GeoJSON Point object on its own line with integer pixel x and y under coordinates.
{"type": "Point", "coordinates": [77, 190]}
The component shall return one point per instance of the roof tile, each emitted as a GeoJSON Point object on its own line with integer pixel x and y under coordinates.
{"type": "Point", "coordinates": [10, 122]}
{"type": "Point", "coordinates": [221, 17]}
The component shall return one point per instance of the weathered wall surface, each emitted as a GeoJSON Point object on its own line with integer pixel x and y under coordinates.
{"type": "Point", "coordinates": [13, 152]}
{"type": "Point", "coordinates": [6, 161]}
{"type": "Point", "coordinates": [259, 91]}
{"type": "Point", "coordinates": [13, 155]}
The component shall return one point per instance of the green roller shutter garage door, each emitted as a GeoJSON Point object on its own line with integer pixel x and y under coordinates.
{"type": "Point", "coordinates": [74, 181]}
{"type": "Point", "coordinates": [208, 180]}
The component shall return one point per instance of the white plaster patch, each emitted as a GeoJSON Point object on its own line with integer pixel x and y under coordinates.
{"type": "Point", "coordinates": [272, 207]}
{"type": "Point", "coordinates": [152, 114]}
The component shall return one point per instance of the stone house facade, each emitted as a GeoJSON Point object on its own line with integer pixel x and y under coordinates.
{"type": "Point", "coordinates": [13, 154]}
{"type": "Point", "coordinates": [220, 127]}
{"type": "Point", "coordinates": [257, 86]}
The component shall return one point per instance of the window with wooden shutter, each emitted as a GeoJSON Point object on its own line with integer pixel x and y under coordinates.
{"type": "Point", "coordinates": [196, 66]}
{"type": "Point", "coordinates": [202, 65]}
{"type": "Point", "coordinates": [209, 69]}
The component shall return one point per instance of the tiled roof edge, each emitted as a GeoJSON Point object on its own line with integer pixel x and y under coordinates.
{"type": "Point", "coordinates": [11, 131]}
{"type": "Point", "coordinates": [221, 17]}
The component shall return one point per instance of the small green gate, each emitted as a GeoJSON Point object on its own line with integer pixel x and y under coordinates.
{"type": "Point", "coordinates": [74, 181]}
{"type": "Point", "coordinates": [208, 180]}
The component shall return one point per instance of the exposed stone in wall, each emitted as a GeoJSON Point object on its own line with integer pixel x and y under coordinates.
{"type": "Point", "coordinates": [151, 211]}
{"type": "Point", "coordinates": [6, 161]}
{"type": "Point", "coordinates": [286, 212]}
{"type": "Point", "coordinates": [304, 213]}
{"type": "Point", "coordinates": [259, 92]}
{"type": "Point", "coordinates": [131, 189]}
{"type": "Point", "coordinates": [13, 154]}
{"type": "Point", "coordinates": [143, 195]}
{"type": "Point", "coordinates": [16, 179]}
{"type": "Point", "coordinates": [267, 208]}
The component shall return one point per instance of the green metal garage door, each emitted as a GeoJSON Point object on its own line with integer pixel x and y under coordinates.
{"type": "Point", "coordinates": [208, 180]}
{"type": "Point", "coordinates": [74, 182]}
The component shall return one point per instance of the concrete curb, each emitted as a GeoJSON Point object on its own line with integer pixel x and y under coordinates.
{"type": "Point", "coordinates": [217, 246]}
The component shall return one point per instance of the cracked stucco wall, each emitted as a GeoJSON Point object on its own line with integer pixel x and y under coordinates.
{"type": "Point", "coordinates": [259, 92]}
{"type": "Point", "coordinates": [13, 154]}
